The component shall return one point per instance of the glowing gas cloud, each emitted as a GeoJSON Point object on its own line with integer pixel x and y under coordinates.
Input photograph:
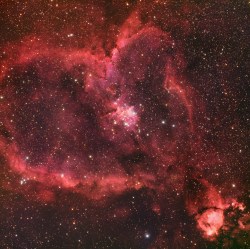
{"type": "Point", "coordinates": [124, 119]}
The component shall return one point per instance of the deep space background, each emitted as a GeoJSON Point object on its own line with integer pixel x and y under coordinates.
{"type": "Point", "coordinates": [124, 124]}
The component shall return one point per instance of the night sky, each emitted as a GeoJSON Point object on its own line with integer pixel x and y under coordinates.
{"type": "Point", "coordinates": [124, 124]}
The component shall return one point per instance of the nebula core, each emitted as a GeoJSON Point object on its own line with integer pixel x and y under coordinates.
{"type": "Point", "coordinates": [124, 124]}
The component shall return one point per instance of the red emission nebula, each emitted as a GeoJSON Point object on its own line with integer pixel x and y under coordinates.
{"type": "Point", "coordinates": [123, 124]}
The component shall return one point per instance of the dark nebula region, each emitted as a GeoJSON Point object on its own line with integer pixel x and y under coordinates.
{"type": "Point", "coordinates": [124, 124]}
